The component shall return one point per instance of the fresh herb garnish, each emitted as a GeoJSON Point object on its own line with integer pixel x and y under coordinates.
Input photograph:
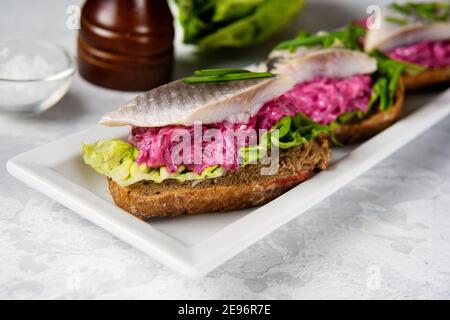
{"type": "Point", "coordinates": [218, 72]}
{"type": "Point", "coordinates": [350, 116]}
{"type": "Point", "coordinates": [347, 37]}
{"type": "Point", "coordinates": [387, 78]}
{"type": "Point", "coordinates": [385, 86]}
{"type": "Point", "coordinates": [396, 20]}
{"type": "Point", "coordinates": [402, 8]}
{"type": "Point", "coordinates": [409, 67]}
{"type": "Point", "coordinates": [431, 11]}
{"type": "Point", "coordinates": [412, 68]}
{"type": "Point", "coordinates": [292, 131]}
{"type": "Point", "coordinates": [225, 74]}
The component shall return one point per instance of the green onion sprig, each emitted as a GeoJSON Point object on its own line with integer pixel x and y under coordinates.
{"type": "Point", "coordinates": [225, 74]}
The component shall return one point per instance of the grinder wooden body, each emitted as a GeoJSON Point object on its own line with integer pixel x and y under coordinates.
{"type": "Point", "coordinates": [126, 45]}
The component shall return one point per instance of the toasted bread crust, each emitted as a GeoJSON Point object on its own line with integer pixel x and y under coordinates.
{"type": "Point", "coordinates": [368, 127]}
{"type": "Point", "coordinates": [233, 191]}
{"type": "Point", "coordinates": [427, 78]}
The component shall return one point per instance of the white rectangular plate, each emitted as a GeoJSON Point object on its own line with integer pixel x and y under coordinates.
{"type": "Point", "coordinates": [196, 245]}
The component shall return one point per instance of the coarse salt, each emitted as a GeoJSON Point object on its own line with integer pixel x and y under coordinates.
{"type": "Point", "coordinates": [20, 95]}
{"type": "Point", "coordinates": [21, 67]}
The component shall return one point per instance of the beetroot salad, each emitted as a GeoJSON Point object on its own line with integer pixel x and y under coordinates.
{"type": "Point", "coordinates": [323, 100]}
{"type": "Point", "coordinates": [431, 54]}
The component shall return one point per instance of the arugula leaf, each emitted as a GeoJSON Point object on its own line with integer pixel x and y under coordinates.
{"type": "Point", "coordinates": [349, 116]}
{"type": "Point", "coordinates": [405, 8]}
{"type": "Point", "coordinates": [412, 68]}
{"type": "Point", "coordinates": [431, 11]}
{"type": "Point", "coordinates": [348, 37]}
{"type": "Point", "coordinates": [387, 77]}
{"type": "Point", "coordinates": [381, 94]}
{"type": "Point", "coordinates": [292, 131]}
{"type": "Point", "coordinates": [385, 86]}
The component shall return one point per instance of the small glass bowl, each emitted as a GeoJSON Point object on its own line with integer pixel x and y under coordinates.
{"type": "Point", "coordinates": [34, 75]}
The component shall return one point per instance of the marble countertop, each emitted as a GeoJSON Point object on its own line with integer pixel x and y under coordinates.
{"type": "Point", "coordinates": [385, 235]}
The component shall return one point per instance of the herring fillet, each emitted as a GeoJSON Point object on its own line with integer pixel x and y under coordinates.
{"type": "Point", "coordinates": [305, 66]}
{"type": "Point", "coordinates": [178, 103]}
{"type": "Point", "coordinates": [413, 33]}
{"type": "Point", "coordinates": [389, 35]}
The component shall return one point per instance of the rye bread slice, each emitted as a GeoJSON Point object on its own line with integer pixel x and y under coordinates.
{"type": "Point", "coordinates": [235, 190]}
{"type": "Point", "coordinates": [428, 78]}
{"type": "Point", "coordinates": [370, 126]}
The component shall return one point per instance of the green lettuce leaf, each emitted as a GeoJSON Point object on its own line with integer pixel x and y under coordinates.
{"type": "Point", "coordinates": [227, 10]}
{"type": "Point", "coordinates": [195, 18]}
{"type": "Point", "coordinates": [255, 28]}
{"type": "Point", "coordinates": [216, 24]}
{"type": "Point", "coordinates": [116, 159]}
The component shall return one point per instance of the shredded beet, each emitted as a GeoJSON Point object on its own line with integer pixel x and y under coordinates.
{"type": "Point", "coordinates": [323, 100]}
{"type": "Point", "coordinates": [432, 54]}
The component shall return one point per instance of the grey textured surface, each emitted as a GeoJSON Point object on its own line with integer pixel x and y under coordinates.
{"type": "Point", "coordinates": [385, 235]}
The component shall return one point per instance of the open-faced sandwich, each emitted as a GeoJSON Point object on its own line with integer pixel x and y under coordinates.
{"type": "Point", "coordinates": [417, 33]}
{"type": "Point", "coordinates": [337, 84]}
{"type": "Point", "coordinates": [227, 139]}
{"type": "Point", "coordinates": [217, 141]}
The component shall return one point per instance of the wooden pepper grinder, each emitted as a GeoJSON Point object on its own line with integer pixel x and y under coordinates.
{"type": "Point", "coordinates": [126, 45]}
